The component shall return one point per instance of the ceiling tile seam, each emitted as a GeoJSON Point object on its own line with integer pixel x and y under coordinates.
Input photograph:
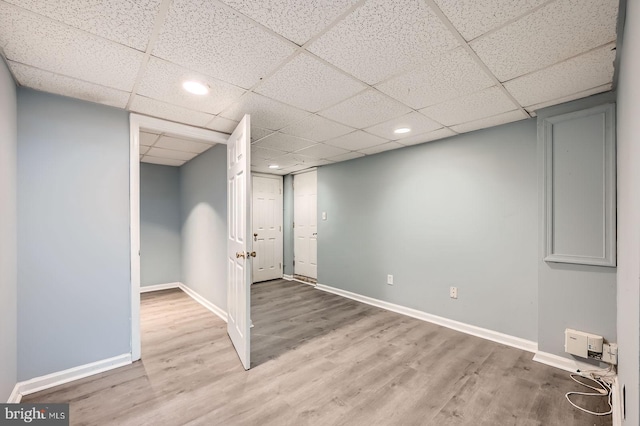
{"type": "Point", "coordinates": [609, 43]}
{"type": "Point", "coordinates": [181, 107]}
{"type": "Point", "coordinates": [511, 21]}
{"type": "Point", "coordinates": [608, 86]}
{"type": "Point", "coordinates": [176, 150]}
{"type": "Point", "coordinates": [153, 38]}
{"type": "Point", "coordinates": [413, 68]}
{"type": "Point", "coordinates": [299, 49]}
{"type": "Point", "coordinates": [65, 76]}
{"type": "Point", "coordinates": [320, 116]}
{"type": "Point", "coordinates": [64, 24]}
{"type": "Point", "coordinates": [285, 134]}
{"type": "Point", "coordinates": [472, 53]}
{"type": "Point", "coordinates": [335, 22]}
{"type": "Point", "coordinates": [487, 118]}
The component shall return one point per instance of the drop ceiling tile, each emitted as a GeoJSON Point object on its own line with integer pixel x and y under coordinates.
{"type": "Point", "coordinates": [381, 148]}
{"type": "Point", "coordinates": [428, 137]}
{"type": "Point", "coordinates": [297, 168]}
{"type": "Point", "coordinates": [310, 84]}
{"type": "Point", "coordinates": [258, 133]}
{"type": "Point", "coordinates": [448, 76]}
{"type": "Point", "coordinates": [51, 46]}
{"type": "Point", "coordinates": [356, 141]}
{"type": "Point", "coordinates": [384, 37]}
{"type": "Point", "coordinates": [207, 37]}
{"type": "Point", "coordinates": [415, 121]}
{"type": "Point", "coordinates": [604, 88]}
{"type": "Point", "coordinates": [163, 80]}
{"type": "Point", "coordinates": [67, 86]}
{"type": "Point", "coordinates": [296, 20]}
{"type": "Point", "coordinates": [179, 144]}
{"type": "Point", "coordinates": [169, 112]}
{"type": "Point", "coordinates": [486, 103]}
{"type": "Point", "coordinates": [317, 128]}
{"type": "Point", "coordinates": [135, 19]}
{"type": "Point", "coordinates": [267, 170]}
{"type": "Point", "coordinates": [143, 149]}
{"type": "Point", "coordinates": [221, 124]}
{"type": "Point", "coordinates": [283, 142]}
{"type": "Point", "coordinates": [555, 32]}
{"type": "Point", "coordinates": [265, 112]}
{"type": "Point", "coordinates": [346, 157]}
{"type": "Point", "coordinates": [289, 160]}
{"type": "Point", "coordinates": [162, 161]}
{"type": "Point", "coordinates": [148, 139]}
{"type": "Point", "coordinates": [473, 18]}
{"type": "Point", "coordinates": [496, 120]}
{"type": "Point", "coordinates": [366, 109]}
{"type": "Point", "coordinates": [575, 75]}
{"type": "Point", "coordinates": [322, 151]}
{"type": "Point", "coordinates": [169, 153]}
{"type": "Point", "coordinates": [265, 153]}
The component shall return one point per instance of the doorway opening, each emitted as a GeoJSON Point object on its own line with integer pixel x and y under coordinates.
{"type": "Point", "coordinates": [158, 127]}
{"type": "Point", "coordinates": [267, 227]}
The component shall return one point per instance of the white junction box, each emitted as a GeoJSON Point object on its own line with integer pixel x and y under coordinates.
{"type": "Point", "coordinates": [583, 344]}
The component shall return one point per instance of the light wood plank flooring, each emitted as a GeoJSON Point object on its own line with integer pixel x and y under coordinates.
{"type": "Point", "coordinates": [317, 359]}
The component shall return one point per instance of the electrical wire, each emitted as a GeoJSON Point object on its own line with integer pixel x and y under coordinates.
{"type": "Point", "coordinates": [603, 378]}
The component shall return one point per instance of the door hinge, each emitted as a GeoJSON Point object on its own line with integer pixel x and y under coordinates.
{"type": "Point", "coordinates": [280, 228]}
{"type": "Point", "coordinates": [294, 262]}
{"type": "Point", "coordinates": [294, 224]}
{"type": "Point", "coordinates": [280, 191]}
{"type": "Point", "coordinates": [279, 265]}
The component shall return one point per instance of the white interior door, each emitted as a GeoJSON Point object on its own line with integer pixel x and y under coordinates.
{"type": "Point", "coordinates": [305, 224]}
{"type": "Point", "coordinates": [238, 241]}
{"type": "Point", "coordinates": [267, 227]}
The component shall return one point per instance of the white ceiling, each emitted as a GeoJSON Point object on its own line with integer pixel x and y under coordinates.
{"type": "Point", "coordinates": [325, 81]}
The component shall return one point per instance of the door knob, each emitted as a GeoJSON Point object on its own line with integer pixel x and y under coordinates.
{"type": "Point", "coordinates": [315, 233]}
{"type": "Point", "coordinates": [252, 254]}
{"type": "Point", "coordinates": [255, 237]}
{"type": "Point", "coordinates": [239, 254]}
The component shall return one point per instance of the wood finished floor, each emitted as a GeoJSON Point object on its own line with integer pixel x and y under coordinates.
{"type": "Point", "coordinates": [317, 359]}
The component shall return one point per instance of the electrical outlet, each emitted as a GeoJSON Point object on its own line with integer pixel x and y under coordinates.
{"type": "Point", "coordinates": [453, 292]}
{"type": "Point", "coordinates": [390, 279]}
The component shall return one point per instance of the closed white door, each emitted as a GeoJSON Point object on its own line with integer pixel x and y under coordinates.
{"type": "Point", "coordinates": [267, 227]}
{"type": "Point", "coordinates": [305, 224]}
{"type": "Point", "coordinates": [238, 240]}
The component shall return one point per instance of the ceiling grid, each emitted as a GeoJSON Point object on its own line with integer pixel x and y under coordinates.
{"type": "Point", "coordinates": [324, 82]}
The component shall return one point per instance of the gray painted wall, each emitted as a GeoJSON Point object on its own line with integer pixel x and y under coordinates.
{"type": "Point", "coordinates": [629, 214]}
{"type": "Point", "coordinates": [458, 212]}
{"type": "Point", "coordinates": [73, 233]}
{"type": "Point", "coordinates": [160, 236]}
{"type": "Point", "coordinates": [203, 206]}
{"type": "Point", "coordinates": [8, 219]}
{"type": "Point", "coordinates": [288, 225]}
{"type": "Point", "coordinates": [573, 296]}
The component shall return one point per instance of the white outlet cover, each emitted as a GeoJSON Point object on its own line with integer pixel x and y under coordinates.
{"type": "Point", "coordinates": [390, 279]}
{"type": "Point", "coordinates": [453, 292]}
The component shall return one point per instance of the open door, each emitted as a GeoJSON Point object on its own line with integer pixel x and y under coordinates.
{"type": "Point", "coordinates": [239, 247]}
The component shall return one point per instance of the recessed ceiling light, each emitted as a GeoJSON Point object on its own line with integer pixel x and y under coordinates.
{"type": "Point", "coordinates": [195, 87]}
{"type": "Point", "coordinates": [273, 166]}
{"type": "Point", "coordinates": [402, 130]}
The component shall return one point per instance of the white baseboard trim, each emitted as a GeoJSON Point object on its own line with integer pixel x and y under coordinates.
{"type": "Point", "coordinates": [616, 400]}
{"type": "Point", "coordinates": [158, 287]}
{"type": "Point", "coordinates": [204, 302]}
{"type": "Point", "coordinates": [65, 376]}
{"type": "Point", "coordinates": [566, 364]}
{"type": "Point", "coordinates": [484, 333]}
{"type": "Point", "coordinates": [292, 278]}
{"type": "Point", "coordinates": [15, 396]}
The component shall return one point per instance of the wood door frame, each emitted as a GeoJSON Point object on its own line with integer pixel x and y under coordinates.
{"type": "Point", "coordinates": [281, 177]}
{"type": "Point", "coordinates": [137, 121]}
